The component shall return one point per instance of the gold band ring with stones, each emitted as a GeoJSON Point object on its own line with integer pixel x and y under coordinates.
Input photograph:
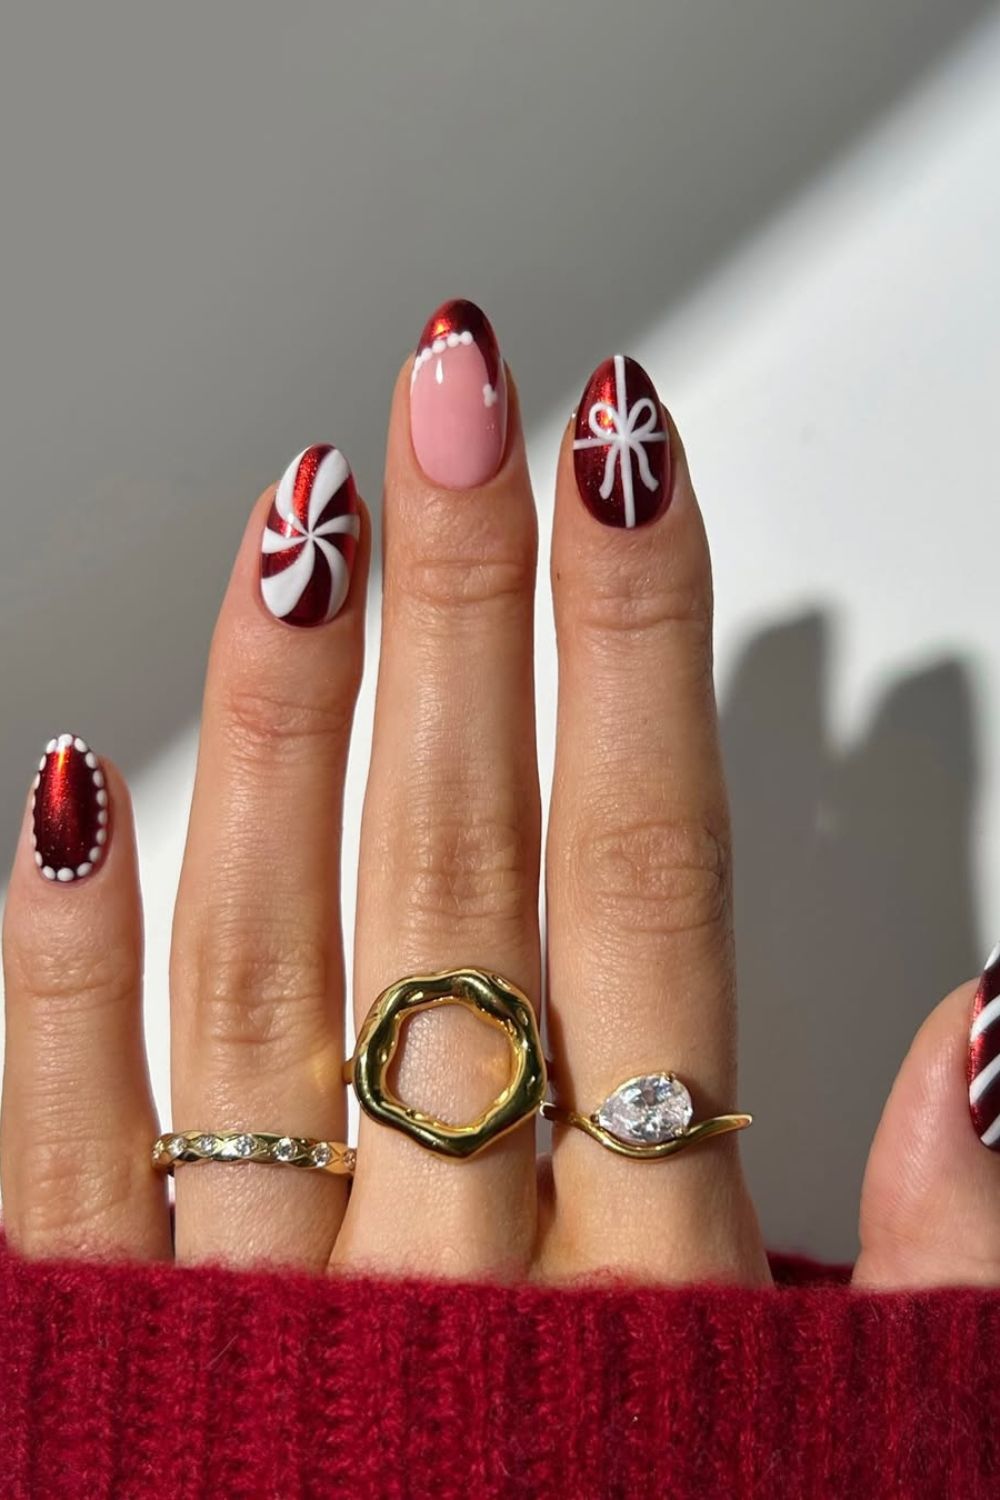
{"type": "Point", "coordinates": [494, 1000]}
{"type": "Point", "coordinates": [646, 1118]}
{"type": "Point", "coordinates": [178, 1147]}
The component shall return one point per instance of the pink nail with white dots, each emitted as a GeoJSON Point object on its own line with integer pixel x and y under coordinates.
{"type": "Point", "coordinates": [458, 398]}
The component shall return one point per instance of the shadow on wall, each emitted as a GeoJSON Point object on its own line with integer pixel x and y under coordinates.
{"type": "Point", "coordinates": [854, 911]}
{"type": "Point", "coordinates": [215, 259]}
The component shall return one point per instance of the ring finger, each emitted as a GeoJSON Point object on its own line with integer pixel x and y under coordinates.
{"type": "Point", "coordinates": [256, 968]}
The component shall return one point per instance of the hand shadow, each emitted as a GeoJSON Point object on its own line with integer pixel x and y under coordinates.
{"type": "Point", "coordinates": [854, 913]}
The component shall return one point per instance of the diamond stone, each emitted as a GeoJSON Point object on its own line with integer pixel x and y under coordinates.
{"type": "Point", "coordinates": [240, 1145]}
{"type": "Point", "coordinates": [321, 1154]}
{"type": "Point", "coordinates": [175, 1145]}
{"type": "Point", "coordinates": [647, 1111]}
{"type": "Point", "coordinates": [284, 1149]}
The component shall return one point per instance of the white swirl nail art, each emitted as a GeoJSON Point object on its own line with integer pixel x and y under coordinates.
{"type": "Point", "coordinates": [309, 542]}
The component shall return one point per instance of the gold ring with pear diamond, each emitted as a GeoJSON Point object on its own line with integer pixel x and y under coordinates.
{"type": "Point", "coordinates": [646, 1118]}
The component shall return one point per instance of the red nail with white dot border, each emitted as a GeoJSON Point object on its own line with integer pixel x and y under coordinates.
{"type": "Point", "coordinates": [621, 446]}
{"type": "Point", "coordinates": [984, 1055]}
{"type": "Point", "coordinates": [69, 811]}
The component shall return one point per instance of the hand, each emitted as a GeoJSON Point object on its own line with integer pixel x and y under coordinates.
{"type": "Point", "coordinates": [639, 953]}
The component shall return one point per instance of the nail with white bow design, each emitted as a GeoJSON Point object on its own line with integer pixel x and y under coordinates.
{"type": "Point", "coordinates": [621, 450]}
{"type": "Point", "coordinates": [310, 539]}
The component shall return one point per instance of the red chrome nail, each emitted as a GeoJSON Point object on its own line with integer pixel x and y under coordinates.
{"type": "Point", "coordinates": [984, 1055]}
{"type": "Point", "coordinates": [621, 450]}
{"type": "Point", "coordinates": [69, 810]}
{"type": "Point", "coordinates": [458, 398]}
{"type": "Point", "coordinates": [310, 539]}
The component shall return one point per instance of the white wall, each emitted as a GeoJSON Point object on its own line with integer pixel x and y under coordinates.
{"type": "Point", "coordinates": [222, 228]}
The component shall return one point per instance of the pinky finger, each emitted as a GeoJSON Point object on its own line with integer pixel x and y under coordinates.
{"type": "Point", "coordinates": [77, 1119]}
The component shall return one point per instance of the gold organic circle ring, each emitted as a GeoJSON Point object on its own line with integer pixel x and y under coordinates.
{"type": "Point", "coordinates": [646, 1118]}
{"type": "Point", "coordinates": [494, 1000]}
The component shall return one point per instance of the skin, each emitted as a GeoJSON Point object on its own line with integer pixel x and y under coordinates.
{"type": "Point", "coordinates": [639, 939]}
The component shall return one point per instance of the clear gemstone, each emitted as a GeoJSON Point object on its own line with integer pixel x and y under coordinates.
{"type": "Point", "coordinates": [175, 1145]}
{"type": "Point", "coordinates": [240, 1145]}
{"type": "Point", "coordinates": [284, 1149]}
{"type": "Point", "coordinates": [205, 1144]}
{"type": "Point", "coordinates": [647, 1111]}
{"type": "Point", "coordinates": [321, 1154]}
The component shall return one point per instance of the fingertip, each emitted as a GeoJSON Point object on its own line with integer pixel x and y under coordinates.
{"type": "Point", "coordinates": [930, 1204]}
{"type": "Point", "coordinates": [303, 556]}
{"type": "Point", "coordinates": [77, 828]}
{"type": "Point", "coordinates": [455, 427]}
{"type": "Point", "coordinates": [624, 498]}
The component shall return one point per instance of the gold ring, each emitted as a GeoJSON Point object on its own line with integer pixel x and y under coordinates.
{"type": "Point", "coordinates": [646, 1118]}
{"type": "Point", "coordinates": [491, 998]}
{"type": "Point", "coordinates": [177, 1147]}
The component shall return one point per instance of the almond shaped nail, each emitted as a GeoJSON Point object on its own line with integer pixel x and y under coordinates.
{"type": "Point", "coordinates": [621, 448]}
{"type": "Point", "coordinates": [69, 810]}
{"type": "Point", "coordinates": [310, 538]}
{"type": "Point", "coordinates": [458, 398]}
{"type": "Point", "coordinates": [984, 1055]}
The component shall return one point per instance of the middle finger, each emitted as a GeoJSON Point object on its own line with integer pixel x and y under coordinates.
{"type": "Point", "coordinates": [450, 838]}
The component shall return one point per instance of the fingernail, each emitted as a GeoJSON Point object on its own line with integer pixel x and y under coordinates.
{"type": "Point", "coordinates": [621, 450]}
{"type": "Point", "coordinates": [458, 398]}
{"type": "Point", "coordinates": [310, 539]}
{"type": "Point", "coordinates": [984, 1055]}
{"type": "Point", "coordinates": [69, 810]}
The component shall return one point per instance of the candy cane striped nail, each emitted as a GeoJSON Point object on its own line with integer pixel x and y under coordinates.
{"type": "Point", "coordinates": [984, 1055]}
{"type": "Point", "coordinates": [69, 810]}
{"type": "Point", "coordinates": [621, 451]}
{"type": "Point", "coordinates": [310, 539]}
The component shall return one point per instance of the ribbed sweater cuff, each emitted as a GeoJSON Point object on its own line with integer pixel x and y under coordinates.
{"type": "Point", "coordinates": [134, 1381]}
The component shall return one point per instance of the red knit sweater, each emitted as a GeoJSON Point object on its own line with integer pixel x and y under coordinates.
{"type": "Point", "coordinates": [134, 1381]}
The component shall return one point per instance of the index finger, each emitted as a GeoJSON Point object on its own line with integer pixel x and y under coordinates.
{"type": "Point", "coordinates": [640, 941]}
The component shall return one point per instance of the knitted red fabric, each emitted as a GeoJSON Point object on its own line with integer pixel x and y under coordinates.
{"type": "Point", "coordinates": [134, 1381]}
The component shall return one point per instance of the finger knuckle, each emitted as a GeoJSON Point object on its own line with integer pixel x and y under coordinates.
{"type": "Point", "coordinates": [658, 878]}
{"type": "Point", "coordinates": [623, 601]}
{"type": "Point", "coordinates": [87, 983]}
{"type": "Point", "coordinates": [475, 868]}
{"type": "Point", "coordinates": [450, 583]}
{"type": "Point", "coordinates": [268, 724]}
{"type": "Point", "coordinates": [78, 1192]}
{"type": "Point", "coordinates": [259, 988]}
